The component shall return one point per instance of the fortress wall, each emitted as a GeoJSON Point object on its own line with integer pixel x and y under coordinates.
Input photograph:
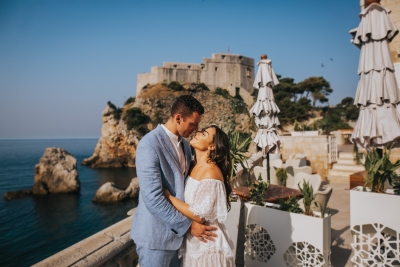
{"type": "Point", "coordinates": [232, 72]}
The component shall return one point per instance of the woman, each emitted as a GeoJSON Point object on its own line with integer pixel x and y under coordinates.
{"type": "Point", "coordinates": [207, 200]}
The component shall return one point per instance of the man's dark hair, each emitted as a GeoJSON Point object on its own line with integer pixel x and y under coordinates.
{"type": "Point", "coordinates": [186, 105]}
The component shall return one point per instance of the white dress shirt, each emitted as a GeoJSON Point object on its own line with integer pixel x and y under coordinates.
{"type": "Point", "coordinates": [176, 142]}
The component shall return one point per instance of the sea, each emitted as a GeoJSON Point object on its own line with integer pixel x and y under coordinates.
{"type": "Point", "coordinates": [33, 228]}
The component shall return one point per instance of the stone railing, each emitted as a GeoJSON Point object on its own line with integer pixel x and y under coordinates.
{"type": "Point", "coordinates": [110, 247]}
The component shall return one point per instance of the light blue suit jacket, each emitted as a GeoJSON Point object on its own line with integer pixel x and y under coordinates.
{"type": "Point", "coordinates": [156, 223]}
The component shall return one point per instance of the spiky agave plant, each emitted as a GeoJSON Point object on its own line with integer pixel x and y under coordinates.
{"type": "Point", "coordinates": [238, 151]}
{"type": "Point", "coordinates": [308, 196]}
{"type": "Point", "coordinates": [380, 170]}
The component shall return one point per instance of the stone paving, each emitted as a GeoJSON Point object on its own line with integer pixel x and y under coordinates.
{"type": "Point", "coordinates": [339, 205]}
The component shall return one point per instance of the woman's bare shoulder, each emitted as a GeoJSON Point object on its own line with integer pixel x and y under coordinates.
{"type": "Point", "coordinates": [213, 173]}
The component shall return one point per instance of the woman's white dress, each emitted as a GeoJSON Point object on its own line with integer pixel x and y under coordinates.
{"type": "Point", "coordinates": [207, 199]}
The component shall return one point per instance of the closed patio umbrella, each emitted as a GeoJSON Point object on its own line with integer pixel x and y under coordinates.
{"type": "Point", "coordinates": [265, 110]}
{"type": "Point", "coordinates": [378, 94]}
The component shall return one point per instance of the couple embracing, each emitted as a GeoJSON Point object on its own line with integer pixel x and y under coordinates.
{"type": "Point", "coordinates": [182, 204]}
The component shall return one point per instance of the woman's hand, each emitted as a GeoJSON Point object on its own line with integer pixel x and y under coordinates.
{"type": "Point", "coordinates": [166, 193]}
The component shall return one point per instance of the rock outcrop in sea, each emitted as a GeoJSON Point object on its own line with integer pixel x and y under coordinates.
{"type": "Point", "coordinates": [117, 144]}
{"type": "Point", "coordinates": [55, 173]}
{"type": "Point", "coordinates": [108, 192]}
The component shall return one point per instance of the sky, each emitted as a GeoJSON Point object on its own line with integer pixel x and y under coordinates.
{"type": "Point", "coordinates": [61, 61]}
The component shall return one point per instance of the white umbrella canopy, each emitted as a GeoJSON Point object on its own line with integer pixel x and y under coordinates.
{"type": "Point", "coordinates": [378, 94]}
{"type": "Point", "coordinates": [265, 109]}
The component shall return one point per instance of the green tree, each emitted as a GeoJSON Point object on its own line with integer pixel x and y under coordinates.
{"type": "Point", "coordinates": [317, 88]}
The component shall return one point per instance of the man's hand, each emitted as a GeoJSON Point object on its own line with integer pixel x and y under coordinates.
{"type": "Point", "coordinates": [203, 232]}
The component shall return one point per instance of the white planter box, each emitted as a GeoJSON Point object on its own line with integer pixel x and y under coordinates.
{"type": "Point", "coordinates": [232, 222]}
{"type": "Point", "coordinates": [375, 227]}
{"type": "Point", "coordinates": [304, 133]}
{"type": "Point", "coordinates": [281, 238]}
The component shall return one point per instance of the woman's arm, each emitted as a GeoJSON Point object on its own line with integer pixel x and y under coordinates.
{"type": "Point", "coordinates": [181, 206]}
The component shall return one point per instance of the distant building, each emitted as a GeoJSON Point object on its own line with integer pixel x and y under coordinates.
{"type": "Point", "coordinates": [234, 73]}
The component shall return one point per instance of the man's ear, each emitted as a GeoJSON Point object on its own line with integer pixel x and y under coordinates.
{"type": "Point", "coordinates": [178, 118]}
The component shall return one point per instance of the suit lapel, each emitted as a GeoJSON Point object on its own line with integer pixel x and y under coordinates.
{"type": "Point", "coordinates": [168, 145]}
{"type": "Point", "coordinates": [188, 155]}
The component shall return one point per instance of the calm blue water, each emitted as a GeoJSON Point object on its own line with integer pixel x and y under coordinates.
{"type": "Point", "coordinates": [34, 228]}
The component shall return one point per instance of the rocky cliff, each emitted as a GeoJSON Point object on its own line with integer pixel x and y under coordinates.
{"type": "Point", "coordinates": [116, 146]}
{"type": "Point", "coordinates": [121, 134]}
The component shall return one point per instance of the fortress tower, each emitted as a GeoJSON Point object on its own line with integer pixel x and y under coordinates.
{"type": "Point", "coordinates": [234, 73]}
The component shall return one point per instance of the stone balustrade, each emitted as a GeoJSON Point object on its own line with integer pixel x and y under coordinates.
{"type": "Point", "coordinates": [110, 247]}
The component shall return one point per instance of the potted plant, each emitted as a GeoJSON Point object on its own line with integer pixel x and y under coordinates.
{"type": "Point", "coordinates": [375, 214]}
{"type": "Point", "coordinates": [284, 236]}
{"type": "Point", "coordinates": [281, 175]}
{"type": "Point", "coordinates": [238, 150]}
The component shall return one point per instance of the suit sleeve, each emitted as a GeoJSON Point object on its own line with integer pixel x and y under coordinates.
{"type": "Point", "coordinates": [149, 176]}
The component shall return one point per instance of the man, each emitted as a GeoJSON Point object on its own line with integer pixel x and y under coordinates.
{"type": "Point", "coordinates": [162, 161]}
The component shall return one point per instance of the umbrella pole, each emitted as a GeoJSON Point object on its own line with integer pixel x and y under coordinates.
{"type": "Point", "coordinates": [268, 174]}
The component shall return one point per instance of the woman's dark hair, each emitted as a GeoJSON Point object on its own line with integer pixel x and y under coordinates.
{"type": "Point", "coordinates": [221, 156]}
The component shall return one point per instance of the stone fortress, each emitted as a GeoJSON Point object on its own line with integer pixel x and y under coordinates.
{"type": "Point", "coordinates": [234, 73]}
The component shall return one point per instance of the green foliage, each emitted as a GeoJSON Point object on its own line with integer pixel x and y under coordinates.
{"type": "Point", "coordinates": [202, 86]}
{"type": "Point", "coordinates": [255, 94]}
{"type": "Point", "coordinates": [238, 105]}
{"type": "Point", "coordinates": [314, 126]}
{"type": "Point", "coordinates": [157, 119]}
{"type": "Point", "coordinates": [257, 194]}
{"type": "Point", "coordinates": [289, 98]}
{"type": "Point", "coordinates": [116, 112]}
{"type": "Point", "coordinates": [316, 87]}
{"type": "Point", "coordinates": [324, 210]}
{"type": "Point", "coordinates": [296, 126]}
{"type": "Point", "coordinates": [356, 156]}
{"type": "Point", "coordinates": [308, 197]}
{"type": "Point", "coordinates": [130, 100]}
{"type": "Point", "coordinates": [281, 175]}
{"type": "Point", "coordinates": [223, 92]}
{"type": "Point", "coordinates": [111, 105]}
{"type": "Point", "coordinates": [175, 86]}
{"type": "Point", "coordinates": [238, 151]}
{"type": "Point", "coordinates": [136, 119]}
{"type": "Point", "coordinates": [332, 121]}
{"type": "Point", "coordinates": [348, 109]}
{"type": "Point", "coordinates": [380, 169]}
{"type": "Point", "coordinates": [290, 205]}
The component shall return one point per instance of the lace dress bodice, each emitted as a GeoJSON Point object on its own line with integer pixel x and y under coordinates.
{"type": "Point", "coordinates": [207, 199]}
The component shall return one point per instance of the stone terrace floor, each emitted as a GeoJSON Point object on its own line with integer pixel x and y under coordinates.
{"type": "Point", "coordinates": [339, 204]}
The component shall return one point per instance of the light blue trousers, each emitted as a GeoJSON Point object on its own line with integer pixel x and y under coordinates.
{"type": "Point", "coordinates": [157, 258]}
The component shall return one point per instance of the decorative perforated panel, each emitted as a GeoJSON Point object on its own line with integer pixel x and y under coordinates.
{"type": "Point", "coordinates": [259, 244]}
{"type": "Point", "coordinates": [375, 245]}
{"type": "Point", "coordinates": [303, 254]}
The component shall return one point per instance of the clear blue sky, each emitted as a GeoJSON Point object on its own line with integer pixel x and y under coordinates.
{"type": "Point", "coordinates": [61, 61]}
